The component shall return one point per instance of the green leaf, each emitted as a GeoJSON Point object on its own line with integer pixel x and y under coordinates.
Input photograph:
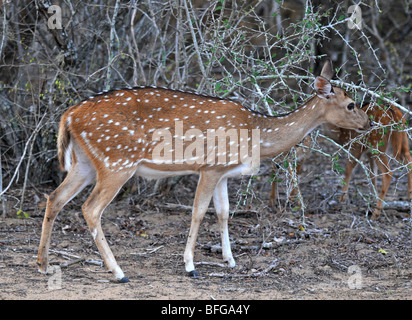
{"type": "Point", "coordinates": [269, 100]}
{"type": "Point", "coordinates": [382, 251]}
{"type": "Point", "coordinates": [22, 214]}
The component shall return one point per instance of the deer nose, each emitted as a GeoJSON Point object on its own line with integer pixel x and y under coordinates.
{"type": "Point", "coordinates": [371, 123]}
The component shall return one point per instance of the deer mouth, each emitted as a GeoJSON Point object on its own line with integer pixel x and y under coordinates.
{"type": "Point", "coordinates": [368, 126]}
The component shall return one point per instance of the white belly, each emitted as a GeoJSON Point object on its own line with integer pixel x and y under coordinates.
{"type": "Point", "coordinates": [150, 173]}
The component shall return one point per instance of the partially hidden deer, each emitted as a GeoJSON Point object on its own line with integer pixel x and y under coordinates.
{"type": "Point", "coordinates": [156, 132]}
{"type": "Point", "coordinates": [389, 123]}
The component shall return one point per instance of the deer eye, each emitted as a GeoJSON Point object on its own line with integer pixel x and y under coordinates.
{"type": "Point", "coordinates": [351, 106]}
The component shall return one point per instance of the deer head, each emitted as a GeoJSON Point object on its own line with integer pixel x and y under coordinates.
{"type": "Point", "coordinates": [340, 109]}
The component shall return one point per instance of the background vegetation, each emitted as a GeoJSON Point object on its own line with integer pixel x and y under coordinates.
{"type": "Point", "coordinates": [263, 53]}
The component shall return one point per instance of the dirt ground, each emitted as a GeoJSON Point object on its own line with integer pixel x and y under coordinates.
{"type": "Point", "coordinates": [333, 251]}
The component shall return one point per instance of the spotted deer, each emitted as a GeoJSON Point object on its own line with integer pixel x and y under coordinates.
{"type": "Point", "coordinates": [389, 121]}
{"type": "Point", "coordinates": [157, 132]}
{"type": "Point", "coordinates": [387, 131]}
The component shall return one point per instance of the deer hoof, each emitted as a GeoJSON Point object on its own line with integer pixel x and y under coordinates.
{"type": "Point", "coordinates": [124, 280]}
{"type": "Point", "coordinates": [343, 197]}
{"type": "Point", "coordinates": [193, 274]}
{"type": "Point", "coordinates": [376, 213]}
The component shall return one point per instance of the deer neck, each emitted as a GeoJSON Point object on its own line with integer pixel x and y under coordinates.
{"type": "Point", "coordinates": [280, 133]}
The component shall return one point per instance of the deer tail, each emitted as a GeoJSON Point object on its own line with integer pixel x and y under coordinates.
{"type": "Point", "coordinates": [64, 146]}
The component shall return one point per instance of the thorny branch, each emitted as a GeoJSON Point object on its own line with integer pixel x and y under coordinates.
{"type": "Point", "coordinates": [264, 54]}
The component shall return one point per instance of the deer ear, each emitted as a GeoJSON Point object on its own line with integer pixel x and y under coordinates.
{"type": "Point", "coordinates": [323, 87]}
{"type": "Point", "coordinates": [327, 70]}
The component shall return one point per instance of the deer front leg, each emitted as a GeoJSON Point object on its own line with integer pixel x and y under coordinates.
{"type": "Point", "coordinates": [204, 191]}
{"type": "Point", "coordinates": [350, 165]}
{"type": "Point", "coordinates": [221, 203]}
{"type": "Point", "coordinates": [383, 166]}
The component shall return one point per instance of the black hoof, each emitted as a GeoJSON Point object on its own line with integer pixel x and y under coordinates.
{"type": "Point", "coordinates": [124, 280]}
{"type": "Point", "coordinates": [193, 274]}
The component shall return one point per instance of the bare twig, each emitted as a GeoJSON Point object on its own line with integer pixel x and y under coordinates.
{"type": "Point", "coordinates": [194, 38]}
{"type": "Point", "coordinates": [111, 42]}
{"type": "Point", "coordinates": [136, 48]}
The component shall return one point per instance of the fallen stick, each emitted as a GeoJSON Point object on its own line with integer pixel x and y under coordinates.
{"type": "Point", "coordinates": [77, 259]}
{"type": "Point", "coordinates": [211, 264]}
{"type": "Point", "coordinates": [62, 253]}
{"type": "Point", "coordinates": [68, 264]}
{"type": "Point", "coordinates": [176, 206]}
{"type": "Point", "coordinates": [95, 262]}
{"type": "Point", "coordinates": [8, 240]}
{"type": "Point", "coordinates": [273, 265]}
{"type": "Point", "coordinates": [149, 250]}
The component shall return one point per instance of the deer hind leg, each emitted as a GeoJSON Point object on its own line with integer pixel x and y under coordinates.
{"type": "Point", "coordinates": [101, 196]}
{"type": "Point", "coordinates": [79, 176]}
{"type": "Point", "coordinates": [204, 191]}
{"type": "Point", "coordinates": [407, 160]}
{"type": "Point", "coordinates": [383, 166]}
{"type": "Point", "coordinates": [221, 203]}
{"type": "Point", "coordinates": [409, 177]}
